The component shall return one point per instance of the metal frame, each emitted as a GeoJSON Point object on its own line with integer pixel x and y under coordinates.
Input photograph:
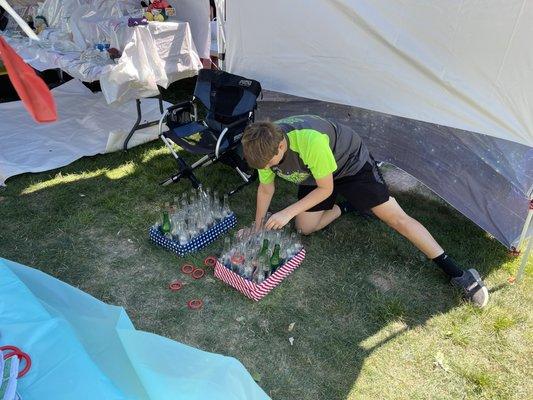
{"type": "Point", "coordinates": [137, 125]}
{"type": "Point", "coordinates": [523, 238]}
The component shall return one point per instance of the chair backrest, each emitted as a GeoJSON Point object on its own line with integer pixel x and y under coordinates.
{"type": "Point", "coordinates": [227, 97]}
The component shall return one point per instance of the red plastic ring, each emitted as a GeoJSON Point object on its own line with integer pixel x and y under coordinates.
{"type": "Point", "coordinates": [187, 268]}
{"type": "Point", "coordinates": [21, 356]}
{"type": "Point", "coordinates": [11, 348]}
{"type": "Point", "coordinates": [175, 285]}
{"type": "Point", "coordinates": [25, 370]}
{"type": "Point", "coordinates": [210, 261]}
{"type": "Point", "coordinates": [198, 273]}
{"type": "Point", "coordinates": [195, 304]}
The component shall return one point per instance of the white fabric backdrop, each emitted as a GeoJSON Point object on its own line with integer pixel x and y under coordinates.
{"type": "Point", "coordinates": [461, 63]}
{"type": "Point", "coordinates": [196, 13]}
{"type": "Point", "coordinates": [86, 126]}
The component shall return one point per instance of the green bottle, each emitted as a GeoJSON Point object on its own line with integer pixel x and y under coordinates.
{"type": "Point", "coordinates": [264, 248]}
{"type": "Point", "coordinates": [165, 226]}
{"type": "Point", "coordinates": [275, 260]}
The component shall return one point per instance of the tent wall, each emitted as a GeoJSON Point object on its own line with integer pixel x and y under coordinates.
{"type": "Point", "coordinates": [462, 64]}
{"type": "Point", "coordinates": [465, 64]}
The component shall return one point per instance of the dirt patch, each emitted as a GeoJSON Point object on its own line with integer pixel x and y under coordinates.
{"type": "Point", "coordinates": [400, 181]}
{"type": "Point", "coordinates": [382, 281]}
{"type": "Point", "coordinates": [112, 247]}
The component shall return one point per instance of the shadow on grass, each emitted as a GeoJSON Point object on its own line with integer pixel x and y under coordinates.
{"type": "Point", "coordinates": [360, 287]}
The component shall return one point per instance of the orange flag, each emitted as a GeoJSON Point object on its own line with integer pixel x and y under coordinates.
{"type": "Point", "coordinates": [31, 89]}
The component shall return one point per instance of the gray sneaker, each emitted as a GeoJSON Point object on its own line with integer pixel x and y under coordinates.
{"type": "Point", "coordinates": [473, 288]}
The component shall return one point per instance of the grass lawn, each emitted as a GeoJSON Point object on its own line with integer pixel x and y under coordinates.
{"type": "Point", "coordinates": [373, 318]}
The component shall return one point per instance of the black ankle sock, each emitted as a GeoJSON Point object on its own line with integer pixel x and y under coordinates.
{"type": "Point", "coordinates": [448, 265]}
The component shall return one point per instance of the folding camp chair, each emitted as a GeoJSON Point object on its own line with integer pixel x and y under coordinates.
{"type": "Point", "coordinates": [230, 102]}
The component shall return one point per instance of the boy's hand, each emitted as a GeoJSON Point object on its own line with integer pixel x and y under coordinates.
{"type": "Point", "coordinates": [278, 220]}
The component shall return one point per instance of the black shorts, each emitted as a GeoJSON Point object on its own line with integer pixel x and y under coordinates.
{"type": "Point", "coordinates": [364, 190]}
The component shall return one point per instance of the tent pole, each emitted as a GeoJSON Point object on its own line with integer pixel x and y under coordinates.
{"type": "Point", "coordinates": [526, 225]}
{"type": "Point", "coordinates": [525, 256]}
{"type": "Point", "coordinates": [523, 263]}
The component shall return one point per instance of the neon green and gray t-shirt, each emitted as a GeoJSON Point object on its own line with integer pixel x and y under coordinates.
{"type": "Point", "coordinates": [317, 148]}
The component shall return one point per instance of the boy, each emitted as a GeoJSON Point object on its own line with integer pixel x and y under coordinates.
{"type": "Point", "coordinates": [325, 159]}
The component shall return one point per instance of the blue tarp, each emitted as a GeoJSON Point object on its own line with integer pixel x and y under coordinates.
{"type": "Point", "coordinates": [82, 348]}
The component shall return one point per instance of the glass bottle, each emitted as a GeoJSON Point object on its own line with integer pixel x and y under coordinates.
{"type": "Point", "coordinates": [264, 263]}
{"type": "Point", "coordinates": [225, 206]}
{"type": "Point", "coordinates": [166, 226]}
{"type": "Point", "coordinates": [264, 247]}
{"type": "Point", "coordinates": [226, 253]}
{"type": "Point", "coordinates": [275, 259]}
{"type": "Point", "coordinates": [258, 274]}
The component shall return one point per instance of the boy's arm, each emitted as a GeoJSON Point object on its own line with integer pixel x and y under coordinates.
{"type": "Point", "coordinates": [265, 191]}
{"type": "Point", "coordinates": [323, 190]}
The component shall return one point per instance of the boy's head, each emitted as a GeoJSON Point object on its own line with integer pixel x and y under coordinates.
{"type": "Point", "coordinates": [263, 145]}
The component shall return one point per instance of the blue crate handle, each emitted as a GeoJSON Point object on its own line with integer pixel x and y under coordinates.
{"type": "Point", "coordinates": [197, 242]}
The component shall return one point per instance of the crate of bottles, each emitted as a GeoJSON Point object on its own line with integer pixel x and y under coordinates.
{"type": "Point", "coordinates": [194, 221]}
{"type": "Point", "coordinates": [259, 260]}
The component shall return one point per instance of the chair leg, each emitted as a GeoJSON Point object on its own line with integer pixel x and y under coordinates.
{"type": "Point", "coordinates": [185, 171]}
{"type": "Point", "coordinates": [245, 177]}
{"type": "Point", "coordinates": [249, 179]}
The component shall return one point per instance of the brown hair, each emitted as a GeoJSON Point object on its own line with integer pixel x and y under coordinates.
{"type": "Point", "coordinates": [260, 143]}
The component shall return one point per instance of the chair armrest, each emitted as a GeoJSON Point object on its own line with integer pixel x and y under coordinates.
{"type": "Point", "coordinates": [236, 123]}
{"type": "Point", "coordinates": [226, 129]}
{"type": "Point", "coordinates": [183, 104]}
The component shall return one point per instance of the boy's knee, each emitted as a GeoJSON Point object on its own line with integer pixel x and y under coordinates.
{"type": "Point", "coordinates": [307, 231]}
{"type": "Point", "coordinates": [303, 227]}
{"type": "Point", "coordinates": [399, 222]}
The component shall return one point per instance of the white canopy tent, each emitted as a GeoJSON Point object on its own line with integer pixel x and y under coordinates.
{"type": "Point", "coordinates": [442, 90]}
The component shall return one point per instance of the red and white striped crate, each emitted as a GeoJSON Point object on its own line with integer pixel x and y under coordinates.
{"type": "Point", "coordinates": [251, 289]}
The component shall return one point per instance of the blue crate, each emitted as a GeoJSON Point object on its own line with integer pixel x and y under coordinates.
{"type": "Point", "coordinates": [197, 242]}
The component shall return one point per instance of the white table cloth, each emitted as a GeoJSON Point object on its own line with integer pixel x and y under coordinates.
{"type": "Point", "coordinates": [157, 54]}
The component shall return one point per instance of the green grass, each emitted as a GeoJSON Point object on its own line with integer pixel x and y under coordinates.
{"type": "Point", "coordinates": [373, 319]}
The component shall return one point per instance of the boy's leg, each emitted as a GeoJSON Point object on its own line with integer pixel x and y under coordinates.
{"type": "Point", "coordinates": [320, 215]}
{"type": "Point", "coordinates": [469, 281]}
{"type": "Point", "coordinates": [367, 191]}
{"type": "Point", "coordinates": [393, 215]}
{"type": "Point", "coordinates": [312, 221]}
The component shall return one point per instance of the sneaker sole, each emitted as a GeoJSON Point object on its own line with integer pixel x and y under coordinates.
{"type": "Point", "coordinates": [484, 289]}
